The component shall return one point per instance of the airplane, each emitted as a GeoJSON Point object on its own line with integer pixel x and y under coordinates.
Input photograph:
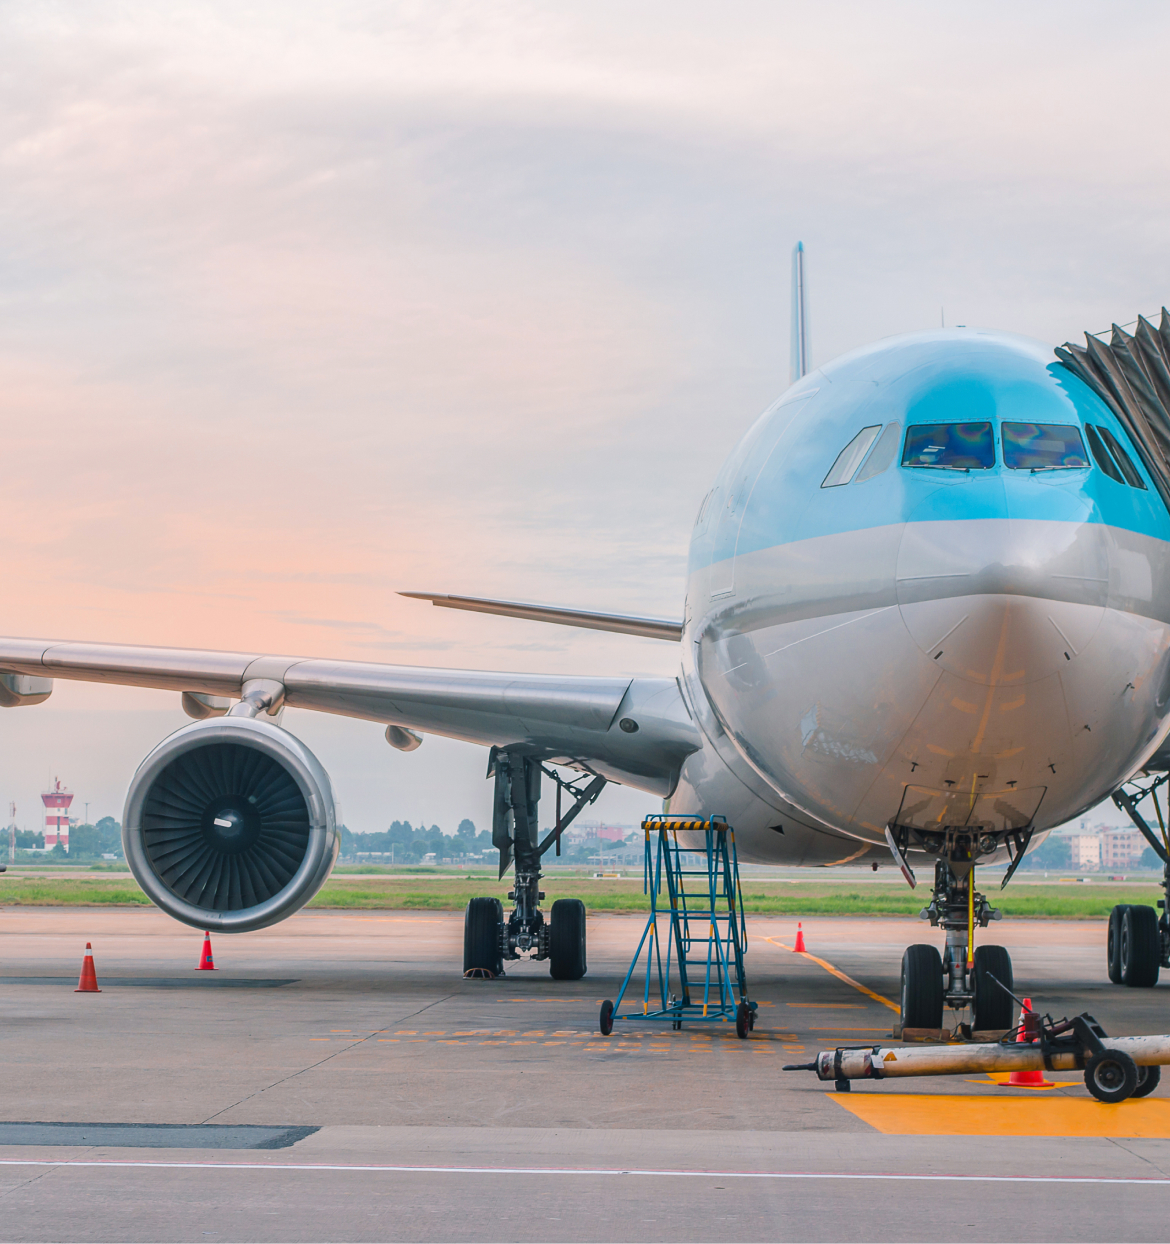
{"type": "Point", "coordinates": [927, 619]}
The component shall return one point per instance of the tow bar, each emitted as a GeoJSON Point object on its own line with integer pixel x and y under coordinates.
{"type": "Point", "coordinates": [1125, 1067]}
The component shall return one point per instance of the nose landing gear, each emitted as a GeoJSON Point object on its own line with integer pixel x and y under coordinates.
{"type": "Point", "coordinates": [965, 980]}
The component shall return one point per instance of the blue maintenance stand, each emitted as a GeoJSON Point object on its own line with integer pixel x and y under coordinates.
{"type": "Point", "coordinates": [706, 938]}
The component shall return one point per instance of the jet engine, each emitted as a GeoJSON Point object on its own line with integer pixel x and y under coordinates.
{"type": "Point", "coordinates": [230, 824]}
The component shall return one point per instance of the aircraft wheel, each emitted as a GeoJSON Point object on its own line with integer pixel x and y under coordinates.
{"type": "Point", "coordinates": [922, 987]}
{"type": "Point", "coordinates": [482, 924]}
{"type": "Point", "coordinates": [1148, 1078]}
{"type": "Point", "coordinates": [1111, 1076]}
{"type": "Point", "coordinates": [1113, 951]}
{"type": "Point", "coordinates": [566, 944]}
{"type": "Point", "coordinates": [994, 1007]}
{"type": "Point", "coordinates": [1141, 947]}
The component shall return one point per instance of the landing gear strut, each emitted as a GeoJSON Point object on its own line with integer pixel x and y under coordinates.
{"type": "Point", "coordinates": [490, 938]}
{"type": "Point", "coordinates": [972, 982]}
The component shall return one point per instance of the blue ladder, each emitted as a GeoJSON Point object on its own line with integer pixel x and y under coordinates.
{"type": "Point", "coordinates": [707, 938]}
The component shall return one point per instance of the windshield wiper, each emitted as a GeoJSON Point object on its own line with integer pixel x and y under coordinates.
{"type": "Point", "coordinates": [940, 466]}
{"type": "Point", "coordinates": [1055, 466]}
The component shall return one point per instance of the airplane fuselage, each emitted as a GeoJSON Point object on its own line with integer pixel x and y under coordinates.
{"type": "Point", "coordinates": [919, 593]}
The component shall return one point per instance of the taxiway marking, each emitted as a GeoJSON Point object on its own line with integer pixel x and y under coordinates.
{"type": "Point", "coordinates": [921, 1114]}
{"type": "Point", "coordinates": [834, 971]}
{"type": "Point", "coordinates": [332, 1167]}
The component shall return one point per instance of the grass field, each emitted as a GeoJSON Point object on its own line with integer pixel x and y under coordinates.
{"type": "Point", "coordinates": [450, 893]}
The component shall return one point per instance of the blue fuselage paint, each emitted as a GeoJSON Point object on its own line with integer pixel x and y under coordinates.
{"type": "Point", "coordinates": [923, 645]}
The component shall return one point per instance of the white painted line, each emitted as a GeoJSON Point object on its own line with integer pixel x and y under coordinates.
{"type": "Point", "coordinates": [586, 1170]}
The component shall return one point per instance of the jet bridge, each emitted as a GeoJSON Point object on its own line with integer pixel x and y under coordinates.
{"type": "Point", "coordinates": [1131, 375]}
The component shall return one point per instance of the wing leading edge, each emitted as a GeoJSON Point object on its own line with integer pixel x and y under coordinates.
{"type": "Point", "coordinates": [632, 730]}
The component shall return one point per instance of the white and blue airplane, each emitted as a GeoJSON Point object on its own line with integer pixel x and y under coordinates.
{"type": "Point", "coordinates": [927, 618]}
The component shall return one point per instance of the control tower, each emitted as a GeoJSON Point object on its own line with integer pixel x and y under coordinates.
{"type": "Point", "coordinates": [56, 800]}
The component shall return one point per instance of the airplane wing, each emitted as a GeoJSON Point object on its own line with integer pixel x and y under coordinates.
{"type": "Point", "coordinates": [637, 731]}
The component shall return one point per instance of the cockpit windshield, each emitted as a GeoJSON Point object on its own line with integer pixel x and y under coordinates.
{"type": "Point", "coordinates": [954, 446]}
{"type": "Point", "coordinates": [1042, 447]}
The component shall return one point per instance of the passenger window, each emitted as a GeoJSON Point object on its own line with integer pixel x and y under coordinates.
{"type": "Point", "coordinates": [1123, 459]}
{"type": "Point", "coordinates": [1101, 454]}
{"type": "Point", "coordinates": [884, 452]}
{"type": "Point", "coordinates": [1042, 447]}
{"type": "Point", "coordinates": [952, 446]}
{"type": "Point", "coordinates": [849, 459]}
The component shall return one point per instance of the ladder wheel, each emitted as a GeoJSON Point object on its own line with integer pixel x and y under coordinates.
{"type": "Point", "coordinates": [743, 1021]}
{"type": "Point", "coordinates": [1148, 1078]}
{"type": "Point", "coordinates": [605, 1023]}
{"type": "Point", "coordinates": [677, 1025]}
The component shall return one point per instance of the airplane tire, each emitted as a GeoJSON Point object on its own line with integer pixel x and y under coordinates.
{"type": "Point", "coordinates": [1141, 947]}
{"type": "Point", "coordinates": [1148, 1078]}
{"type": "Point", "coordinates": [482, 922]}
{"type": "Point", "coordinates": [566, 943]}
{"type": "Point", "coordinates": [1111, 1076]}
{"type": "Point", "coordinates": [922, 987]}
{"type": "Point", "coordinates": [1113, 949]}
{"type": "Point", "coordinates": [994, 1007]}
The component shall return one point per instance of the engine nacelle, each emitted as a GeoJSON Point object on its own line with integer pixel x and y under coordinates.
{"type": "Point", "coordinates": [230, 824]}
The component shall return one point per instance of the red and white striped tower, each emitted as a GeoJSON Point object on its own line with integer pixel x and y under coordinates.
{"type": "Point", "coordinates": [57, 801]}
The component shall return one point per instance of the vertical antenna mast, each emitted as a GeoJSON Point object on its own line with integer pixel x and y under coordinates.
{"type": "Point", "coordinates": [799, 350]}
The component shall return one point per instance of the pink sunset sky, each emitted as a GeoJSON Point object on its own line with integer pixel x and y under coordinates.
{"type": "Point", "coordinates": [303, 305]}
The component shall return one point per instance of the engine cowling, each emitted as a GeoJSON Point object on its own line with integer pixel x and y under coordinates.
{"type": "Point", "coordinates": [230, 824]}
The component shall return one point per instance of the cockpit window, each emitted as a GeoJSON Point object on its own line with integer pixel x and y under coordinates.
{"type": "Point", "coordinates": [1123, 459]}
{"type": "Point", "coordinates": [1042, 447]}
{"type": "Point", "coordinates": [884, 452]}
{"type": "Point", "coordinates": [849, 459]}
{"type": "Point", "coordinates": [1101, 454]}
{"type": "Point", "coordinates": [953, 446]}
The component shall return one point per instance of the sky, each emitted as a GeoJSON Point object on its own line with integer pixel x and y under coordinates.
{"type": "Point", "coordinates": [304, 305]}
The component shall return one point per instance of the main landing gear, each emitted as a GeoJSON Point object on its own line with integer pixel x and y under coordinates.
{"type": "Point", "coordinates": [1138, 945]}
{"type": "Point", "coordinates": [490, 937]}
{"type": "Point", "coordinates": [973, 982]}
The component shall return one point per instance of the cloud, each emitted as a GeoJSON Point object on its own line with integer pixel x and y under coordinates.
{"type": "Point", "coordinates": [300, 306]}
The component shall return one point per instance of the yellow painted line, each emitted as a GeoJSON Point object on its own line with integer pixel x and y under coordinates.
{"type": "Point", "coordinates": [919, 1114]}
{"type": "Point", "coordinates": [869, 993]}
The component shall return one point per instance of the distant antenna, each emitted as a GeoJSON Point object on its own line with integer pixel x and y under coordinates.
{"type": "Point", "coordinates": [799, 352]}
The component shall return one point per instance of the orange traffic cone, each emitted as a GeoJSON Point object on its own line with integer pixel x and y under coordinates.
{"type": "Point", "coordinates": [88, 982]}
{"type": "Point", "coordinates": [1029, 1028]}
{"type": "Point", "coordinates": [799, 946]}
{"type": "Point", "coordinates": [205, 961]}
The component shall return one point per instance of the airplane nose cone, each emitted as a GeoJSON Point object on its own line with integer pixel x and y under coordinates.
{"type": "Point", "coordinates": [1002, 580]}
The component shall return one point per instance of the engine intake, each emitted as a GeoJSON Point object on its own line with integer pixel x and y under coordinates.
{"type": "Point", "coordinates": [230, 824]}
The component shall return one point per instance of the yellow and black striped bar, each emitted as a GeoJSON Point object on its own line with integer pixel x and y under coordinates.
{"type": "Point", "coordinates": [663, 822]}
